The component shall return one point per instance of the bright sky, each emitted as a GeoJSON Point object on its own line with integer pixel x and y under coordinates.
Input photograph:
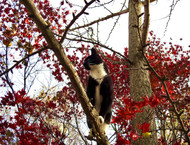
{"type": "Point", "coordinates": [178, 27]}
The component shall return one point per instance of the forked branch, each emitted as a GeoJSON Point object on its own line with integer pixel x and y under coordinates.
{"type": "Point", "coordinates": [143, 39]}
{"type": "Point", "coordinates": [75, 18]}
{"type": "Point", "coordinates": [168, 97]}
{"type": "Point", "coordinates": [56, 46]}
{"type": "Point", "coordinates": [21, 60]}
{"type": "Point", "coordinates": [146, 22]}
{"type": "Point", "coordinates": [102, 19]}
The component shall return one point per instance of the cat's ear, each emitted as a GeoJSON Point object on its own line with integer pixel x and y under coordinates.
{"type": "Point", "coordinates": [93, 51]}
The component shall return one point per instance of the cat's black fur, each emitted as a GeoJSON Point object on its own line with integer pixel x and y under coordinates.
{"type": "Point", "coordinates": [100, 87]}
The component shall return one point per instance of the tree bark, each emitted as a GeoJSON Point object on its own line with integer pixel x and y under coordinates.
{"type": "Point", "coordinates": [139, 79]}
{"type": "Point", "coordinates": [57, 48]}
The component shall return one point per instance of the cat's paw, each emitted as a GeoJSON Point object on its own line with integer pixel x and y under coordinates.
{"type": "Point", "coordinates": [100, 119]}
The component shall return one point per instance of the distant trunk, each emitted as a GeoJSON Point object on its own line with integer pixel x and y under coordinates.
{"type": "Point", "coordinates": [139, 78]}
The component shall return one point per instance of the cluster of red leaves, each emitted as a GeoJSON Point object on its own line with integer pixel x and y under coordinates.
{"type": "Point", "coordinates": [19, 29]}
{"type": "Point", "coordinates": [170, 62]}
{"type": "Point", "coordinates": [126, 112]}
{"type": "Point", "coordinates": [21, 36]}
{"type": "Point", "coordinates": [145, 127]}
{"type": "Point", "coordinates": [132, 107]}
{"type": "Point", "coordinates": [166, 60]}
{"type": "Point", "coordinates": [26, 122]}
{"type": "Point", "coordinates": [121, 140]}
{"type": "Point", "coordinates": [17, 125]}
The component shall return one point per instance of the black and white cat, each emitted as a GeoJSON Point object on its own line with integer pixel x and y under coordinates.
{"type": "Point", "coordinates": [99, 88]}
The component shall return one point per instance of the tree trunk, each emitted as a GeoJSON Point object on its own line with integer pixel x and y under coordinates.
{"type": "Point", "coordinates": [56, 46]}
{"type": "Point", "coordinates": [139, 78]}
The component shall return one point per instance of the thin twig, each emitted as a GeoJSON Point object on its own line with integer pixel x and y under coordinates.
{"type": "Point", "coordinates": [115, 22]}
{"type": "Point", "coordinates": [76, 121]}
{"type": "Point", "coordinates": [102, 19]}
{"type": "Point", "coordinates": [74, 19]}
{"type": "Point", "coordinates": [170, 14]}
{"type": "Point", "coordinates": [174, 108]}
{"type": "Point", "coordinates": [19, 61]}
{"type": "Point", "coordinates": [102, 45]}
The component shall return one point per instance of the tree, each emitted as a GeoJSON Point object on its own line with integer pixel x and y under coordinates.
{"type": "Point", "coordinates": [36, 34]}
{"type": "Point", "coordinates": [139, 79]}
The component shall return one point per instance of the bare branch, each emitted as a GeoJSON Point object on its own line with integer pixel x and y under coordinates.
{"type": "Point", "coordinates": [75, 18]}
{"type": "Point", "coordinates": [170, 14]}
{"type": "Point", "coordinates": [151, 1]}
{"type": "Point", "coordinates": [115, 23]}
{"type": "Point", "coordinates": [146, 22]}
{"type": "Point", "coordinates": [102, 45]}
{"type": "Point", "coordinates": [81, 135]}
{"type": "Point", "coordinates": [19, 61]}
{"type": "Point", "coordinates": [102, 19]}
{"type": "Point", "coordinates": [58, 49]}
{"type": "Point", "coordinates": [168, 97]}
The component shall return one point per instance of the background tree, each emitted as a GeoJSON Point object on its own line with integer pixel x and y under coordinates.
{"type": "Point", "coordinates": [139, 78]}
{"type": "Point", "coordinates": [36, 35]}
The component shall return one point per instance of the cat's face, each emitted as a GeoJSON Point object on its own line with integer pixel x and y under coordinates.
{"type": "Point", "coordinates": [93, 59]}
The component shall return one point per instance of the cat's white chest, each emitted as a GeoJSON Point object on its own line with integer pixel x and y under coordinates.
{"type": "Point", "coordinates": [98, 72]}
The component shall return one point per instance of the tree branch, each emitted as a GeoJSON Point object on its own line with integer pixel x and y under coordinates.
{"type": "Point", "coordinates": [102, 19]}
{"type": "Point", "coordinates": [56, 46]}
{"type": "Point", "coordinates": [116, 21]}
{"type": "Point", "coordinates": [146, 22]}
{"type": "Point", "coordinates": [75, 18]}
{"type": "Point", "coordinates": [17, 62]}
{"type": "Point", "coordinates": [81, 135]}
{"type": "Point", "coordinates": [174, 108]}
{"type": "Point", "coordinates": [151, 1]}
{"type": "Point", "coordinates": [170, 14]}
{"type": "Point", "coordinates": [102, 45]}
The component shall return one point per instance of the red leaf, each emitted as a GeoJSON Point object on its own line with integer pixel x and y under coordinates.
{"type": "Point", "coordinates": [145, 127]}
{"type": "Point", "coordinates": [153, 101]}
{"type": "Point", "coordinates": [27, 21]}
{"type": "Point", "coordinates": [134, 136]}
{"type": "Point", "coordinates": [122, 141]}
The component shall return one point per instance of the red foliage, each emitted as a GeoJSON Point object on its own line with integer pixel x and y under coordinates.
{"type": "Point", "coordinates": [26, 123]}
{"type": "Point", "coordinates": [166, 61]}
{"type": "Point", "coordinates": [122, 141]}
{"type": "Point", "coordinates": [145, 127]}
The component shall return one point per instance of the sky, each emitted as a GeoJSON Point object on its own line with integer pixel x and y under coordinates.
{"type": "Point", "coordinates": [178, 26]}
